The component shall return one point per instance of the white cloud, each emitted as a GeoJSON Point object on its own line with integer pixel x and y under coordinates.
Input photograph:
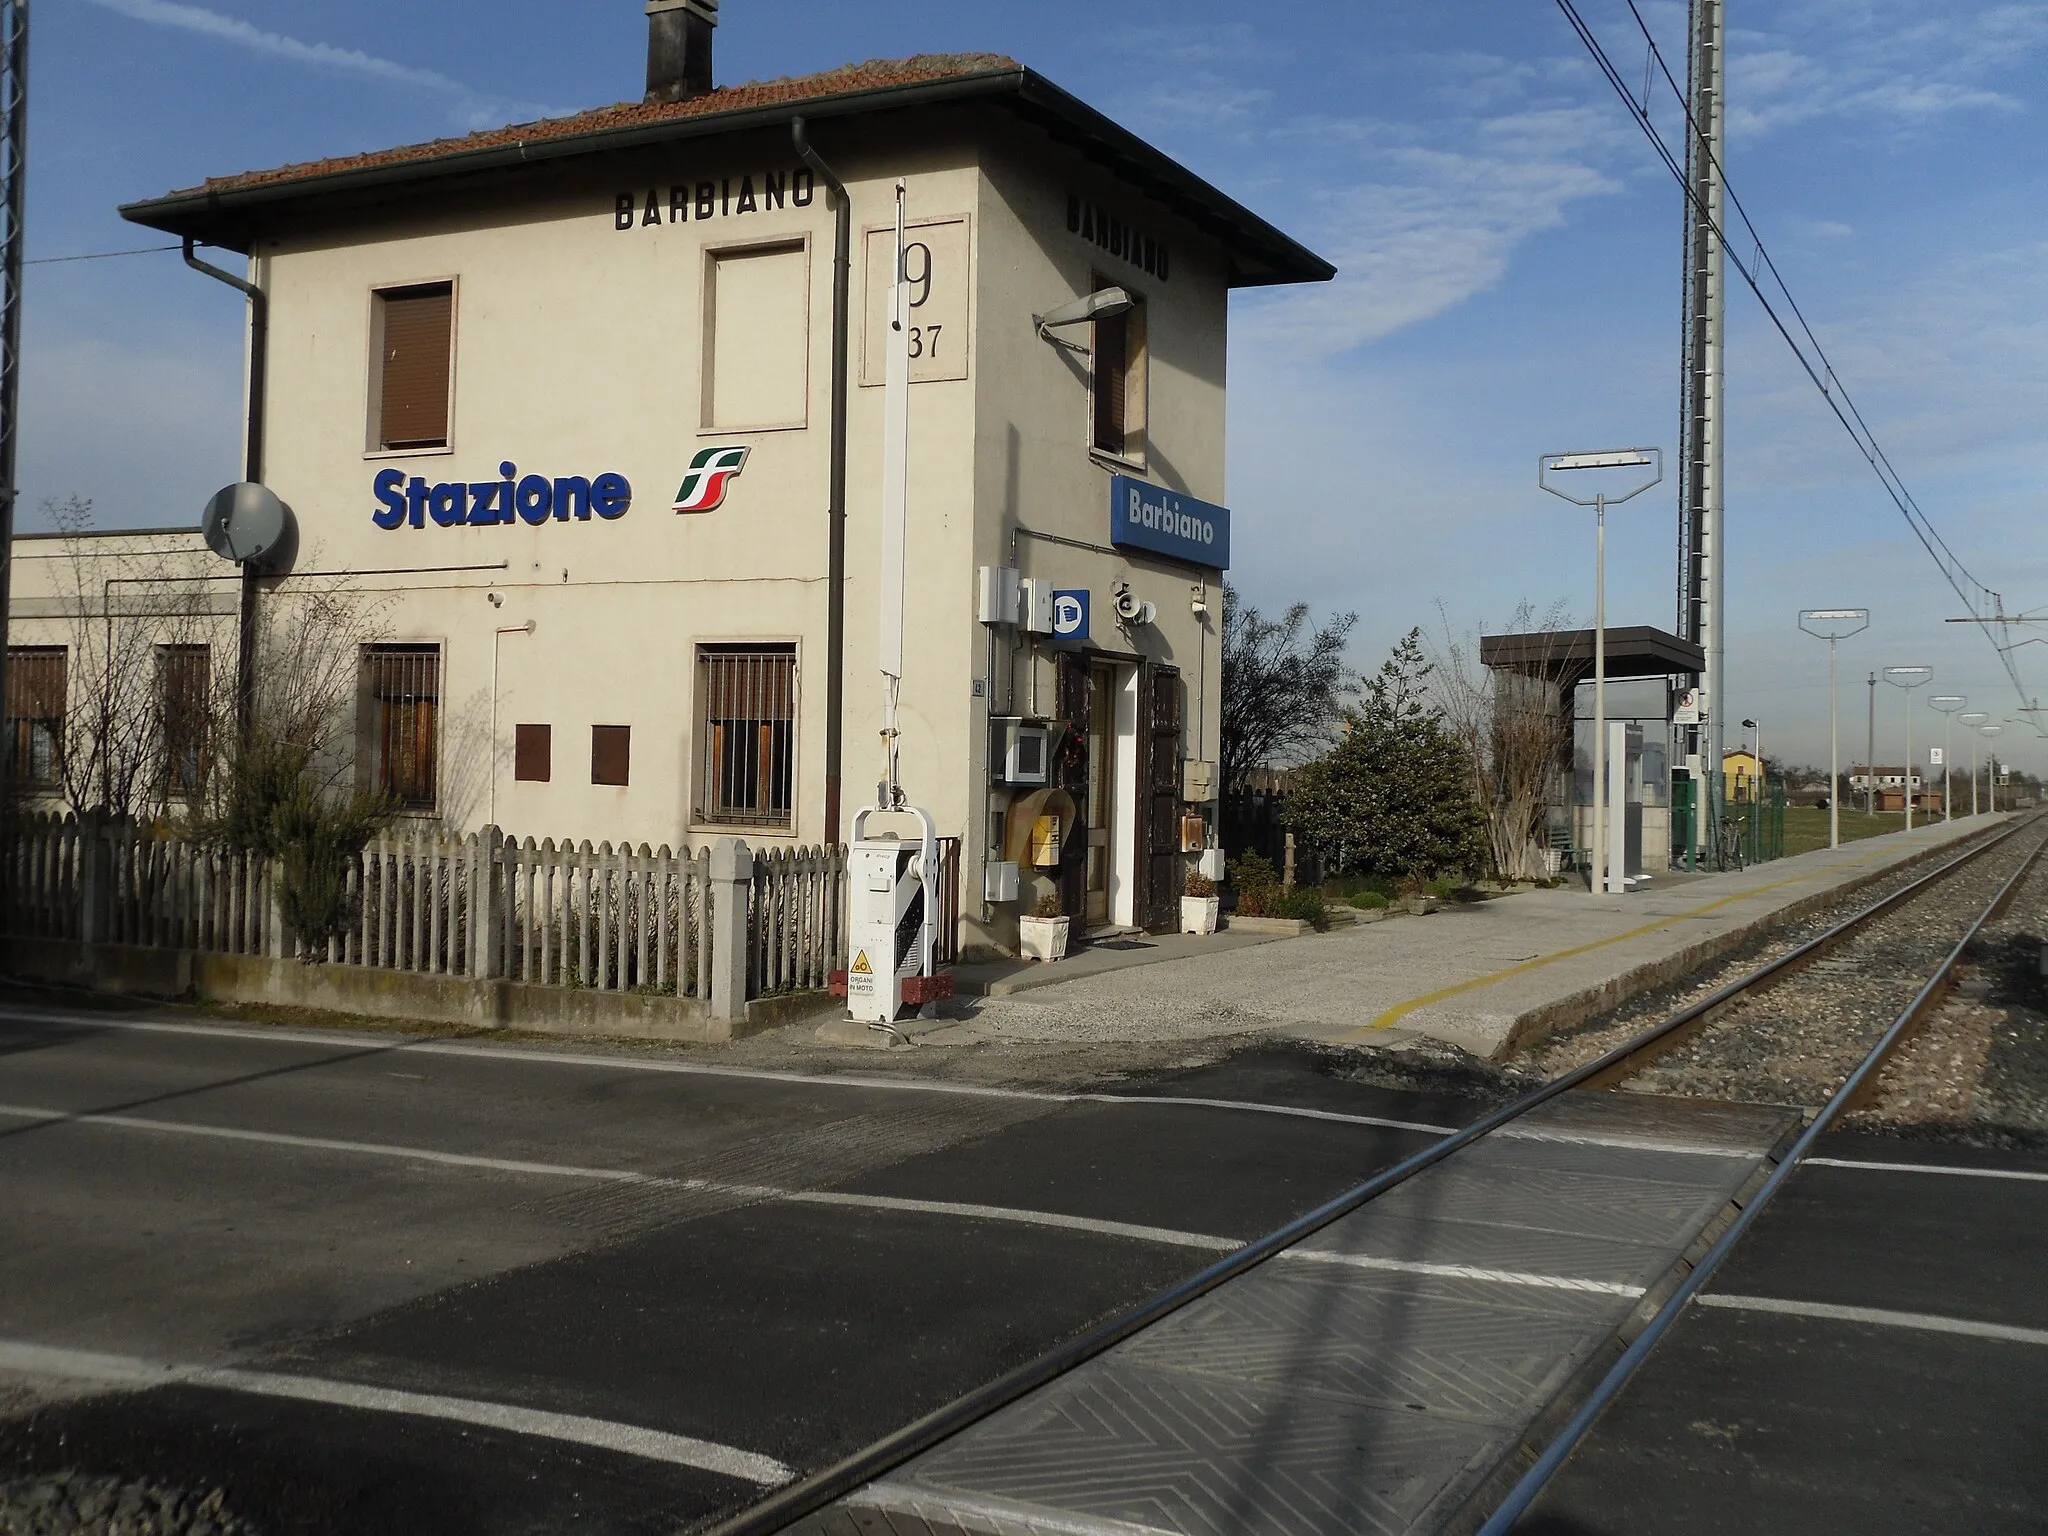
{"type": "Point", "coordinates": [474, 110]}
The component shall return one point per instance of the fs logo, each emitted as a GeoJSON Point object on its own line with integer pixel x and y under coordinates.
{"type": "Point", "coordinates": [704, 483]}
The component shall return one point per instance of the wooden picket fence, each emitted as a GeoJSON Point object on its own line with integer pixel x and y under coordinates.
{"type": "Point", "coordinates": [568, 914]}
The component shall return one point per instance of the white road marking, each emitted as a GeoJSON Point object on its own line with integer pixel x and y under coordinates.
{"type": "Point", "coordinates": [1923, 1321]}
{"type": "Point", "coordinates": [846, 1080]}
{"type": "Point", "coordinates": [1465, 1272]}
{"type": "Point", "coordinates": [1947, 1168]}
{"type": "Point", "coordinates": [602, 1434]}
{"type": "Point", "coordinates": [1169, 1236]}
{"type": "Point", "coordinates": [828, 1197]}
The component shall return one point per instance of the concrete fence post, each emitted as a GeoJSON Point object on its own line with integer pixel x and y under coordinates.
{"type": "Point", "coordinates": [486, 905]}
{"type": "Point", "coordinates": [280, 941]}
{"type": "Point", "coordinates": [732, 881]}
{"type": "Point", "coordinates": [95, 879]}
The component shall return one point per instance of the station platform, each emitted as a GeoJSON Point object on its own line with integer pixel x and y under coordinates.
{"type": "Point", "coordinates": [1489, 977]}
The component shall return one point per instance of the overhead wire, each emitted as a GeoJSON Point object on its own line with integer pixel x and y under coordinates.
{"type": "Point", "coordinates": [1984, 603]}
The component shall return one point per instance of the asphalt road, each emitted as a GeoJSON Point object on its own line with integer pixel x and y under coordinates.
{"type": "Point", "coordinates": [1897, 1380]}
{"type": "Point", "coordinates": [369, 1285]}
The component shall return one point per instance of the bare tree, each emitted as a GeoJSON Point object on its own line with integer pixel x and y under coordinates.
{"type": "Point", "coordinates": [1284, 683]}
{"type": "Point", "coordinates": [123, 614]}
{"type": "Point", "coordinates": [1515, 734]}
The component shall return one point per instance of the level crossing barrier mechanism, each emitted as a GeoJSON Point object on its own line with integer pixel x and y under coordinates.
{"type": "Point", "coordinates": [481, 906]}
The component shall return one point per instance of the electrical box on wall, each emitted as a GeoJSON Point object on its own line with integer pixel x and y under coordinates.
{"type": "Point", "coordinates": [1034, 605]}
{"type": "Point", "coordinates": [1198, 781]}
{"type": "Point", "coordinates": [1019, 752]}
{"type": "Point", "coordinates": [996, 594]}
{"type": "Point", "coordinates": [999, 881]}
{"type": "Point", "coordinates": [1211, 863]}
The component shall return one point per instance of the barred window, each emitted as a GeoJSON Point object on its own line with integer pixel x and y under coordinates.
{"type": "Point", "coordinates": [184, 685]}
{"type": "Point", "coordinates": [402, 694]}
{"type": "Point", "coordinates": [1117, 388]}
{"type": "Point", "coordinates": [748, 710]}
{"type": "Point", "coordinates": [35, 713]}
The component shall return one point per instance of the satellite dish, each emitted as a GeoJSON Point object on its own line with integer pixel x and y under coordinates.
{"type": "Point", "coordinates": [242, 521]}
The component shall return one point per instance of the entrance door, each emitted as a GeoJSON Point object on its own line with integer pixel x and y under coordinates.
{"type": "Point", "coordinates": [1101, 815]}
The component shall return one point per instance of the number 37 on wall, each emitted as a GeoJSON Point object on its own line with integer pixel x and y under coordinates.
{"type": "Point", "coordinates": [936, 265]}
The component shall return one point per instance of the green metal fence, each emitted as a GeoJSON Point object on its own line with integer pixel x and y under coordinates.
{"type": "Point", "coordinates": [1742, 831]}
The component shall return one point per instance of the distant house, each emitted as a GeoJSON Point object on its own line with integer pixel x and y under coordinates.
{"type": "Point", "coordinates": [1740, 771]}
{"type": "Point", "coordinates": [1890, 786]}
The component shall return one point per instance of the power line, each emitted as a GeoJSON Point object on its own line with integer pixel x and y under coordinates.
{"type": "Point", "coordinates": [144, 250]}
{"type": "Point", "coordinates": [1981, 600]}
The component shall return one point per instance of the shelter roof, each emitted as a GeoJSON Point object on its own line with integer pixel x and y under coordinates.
{"type": "Point", "coordinates": [1565, 656]}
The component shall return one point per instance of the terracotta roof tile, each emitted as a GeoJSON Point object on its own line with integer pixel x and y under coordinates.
{"type": "Point", "coordinates": [876, 74]}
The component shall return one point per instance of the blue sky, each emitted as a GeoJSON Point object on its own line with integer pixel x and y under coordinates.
{"type": "Point", "coordinates": [1509, 283]}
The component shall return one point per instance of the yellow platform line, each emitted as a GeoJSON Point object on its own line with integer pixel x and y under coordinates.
{"type": "Point", "coordinates": [1400, 1011]}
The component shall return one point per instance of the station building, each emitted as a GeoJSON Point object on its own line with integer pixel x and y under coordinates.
{"type": "Point", "coordinates": [594, 411]}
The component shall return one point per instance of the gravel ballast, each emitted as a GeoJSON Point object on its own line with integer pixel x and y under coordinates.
{"type": "Point", "coordinates": [76, 1504]}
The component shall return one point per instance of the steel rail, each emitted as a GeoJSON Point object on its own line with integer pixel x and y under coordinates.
{"type": "Point", "coordinates": [1532, 1483]}
{"type": "Point", "coordinates": [810, 1494]}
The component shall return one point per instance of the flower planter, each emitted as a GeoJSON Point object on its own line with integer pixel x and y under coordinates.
{"type": "Point", "coordinates": [1420, 906]}
{"type": "Point", "coordinates": [1198, 913]}
{"type": "Point", "coordinates": [1042, 938]}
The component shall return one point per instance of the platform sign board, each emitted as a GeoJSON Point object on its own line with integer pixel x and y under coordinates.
{"type": "Point", "coordinates": [1146, 516]}
{"type": "Point", "coordinates": [1934, 757]}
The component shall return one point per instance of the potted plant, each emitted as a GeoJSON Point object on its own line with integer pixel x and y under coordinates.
{"type": "Point", "coordinates": [1042, 933]}
{"type": "Point", "coordinates": [1199, 905]}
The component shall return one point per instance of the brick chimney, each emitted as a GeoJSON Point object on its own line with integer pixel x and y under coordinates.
{"type": "Point", "coordinates": [679, 48]}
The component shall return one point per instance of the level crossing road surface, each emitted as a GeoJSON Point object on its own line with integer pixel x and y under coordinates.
{"type": "Point", "coordinates": [1872, 1358]}
{"type": "Point", "coordinates": [369, 1284]}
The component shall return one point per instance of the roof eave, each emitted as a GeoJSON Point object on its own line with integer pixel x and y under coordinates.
{"type": "Point", "coordinates": [226, 217]}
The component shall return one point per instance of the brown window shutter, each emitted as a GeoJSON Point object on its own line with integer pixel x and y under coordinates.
{"type": "Point", "coordinates": [1112, 382]}
{"type": "Point", "coordinates": [533, 751]}
{"type": "Point", "coordinates": [418, 329]}
{"type": "Point", "coordinates": [611, 752]}
{"type": "Point", "coordinates": [35, 682]}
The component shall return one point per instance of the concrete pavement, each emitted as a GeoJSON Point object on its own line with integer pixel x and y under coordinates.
{"type": "Point", "coordinates": [1485, 977]}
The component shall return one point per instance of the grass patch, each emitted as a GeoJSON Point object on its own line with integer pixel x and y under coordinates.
{"type": "Point", "coordinates": [1806, 826]}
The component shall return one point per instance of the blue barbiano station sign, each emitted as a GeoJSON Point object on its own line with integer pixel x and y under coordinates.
{"type": "Point", "coordinates": [1143, 516]}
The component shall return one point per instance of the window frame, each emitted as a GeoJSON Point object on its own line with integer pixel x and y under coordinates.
{"type": "Point", "coordinates": [370, 738]}
{"type": "Point", "coordinates": [546, 740]}
{"type": "Point", "coordinates": [17, 739]}
{"type": "Point", "coordinates": [703, 816]}
{"type": "Point", "coordinates": [707, 330]}
{"type": "Point", "coordinates": [1137, 376]}
{"type": "Point", "coordinates": [200, 743]}
{"type": "Point", "coordinates": [374, 446]}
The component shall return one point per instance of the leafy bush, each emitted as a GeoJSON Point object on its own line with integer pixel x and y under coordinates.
{"type": "Point", "coordinates": [1200, 885]}
{"type": "Point", "coordinates": [1257, 884]}
{"type": "Point", "coordinates": [1368, 901]}
{"type": "Point", "coordinates": [1395, 794]}
{"type": "Point", "coordinates": [1047, 905]}
{"type": "Point", "coordinates": [1306, 905]}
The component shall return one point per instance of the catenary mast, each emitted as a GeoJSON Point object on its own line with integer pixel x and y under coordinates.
{"type": "Point", "coordinates": [1700, 464]}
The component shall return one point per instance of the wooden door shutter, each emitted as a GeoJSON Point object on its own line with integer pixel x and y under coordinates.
{"type": "Point", "coordinates": [1112, 382]}
{"type": "Point", "coordinates": [1159, 742]}
{"type": "Point", "coordinates": [417, 327]}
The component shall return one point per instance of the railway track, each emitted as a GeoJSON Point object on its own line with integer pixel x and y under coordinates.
{"type": "Point", "coordinates": [1999, 864]}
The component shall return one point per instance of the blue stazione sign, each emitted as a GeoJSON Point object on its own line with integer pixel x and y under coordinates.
{"type": "Point", "coordinates": [1150, 517]}
{"type": "Point", "coordinates": [1070, 613]}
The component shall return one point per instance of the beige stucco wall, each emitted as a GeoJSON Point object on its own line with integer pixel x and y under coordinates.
{"type": "Point", "coordinates": [579, 349]}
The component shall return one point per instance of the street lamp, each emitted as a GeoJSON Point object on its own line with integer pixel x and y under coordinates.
{"type": "Point", "coordinates": [1991, 767]}
{"type": "Point", "coordinates": [1973, 719]}
{"type": "Point", "coordinates": [1909, 678]}
{"type": "Point", "coordinates": [1751, 725]}
{"type": "Point", "coordinates": [1948, 704]}
{"type": "Point", "coordinates": [1605, 878]}
{"type": "Point", "coordinates": [1832, 624]}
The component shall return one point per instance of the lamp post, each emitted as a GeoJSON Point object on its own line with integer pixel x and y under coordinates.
{"type": "Point", "coordinates": [1973, 719]}
{"type": "Point", "coordinates": [1948, 704]}
{"type": "Point", "coordinates": [1991, 766]}
{"type": "Point", "coordinates": [1870, 753]}
{"type": "Point", "coordinates": [1907, 679]}
{"type": "Point", "coordinates": [1832, 624]}
{"type": "Point", "coordinates": [1605, 878]}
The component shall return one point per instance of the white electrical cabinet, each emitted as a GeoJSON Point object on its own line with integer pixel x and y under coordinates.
{"type": "Point", "coordinates": [892, 917]}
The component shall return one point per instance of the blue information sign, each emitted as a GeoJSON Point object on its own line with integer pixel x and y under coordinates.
{"type": "Point", "coordinates": [1150, 517]}
{"type": "Point", "coordinates": [1070, 613]}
